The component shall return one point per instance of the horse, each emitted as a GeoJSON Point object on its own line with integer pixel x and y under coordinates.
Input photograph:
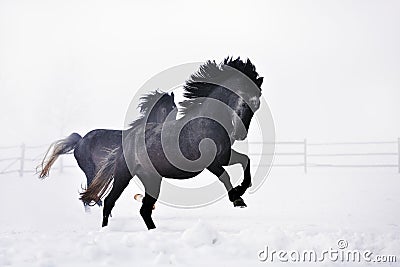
{"type": "Point", "coordinates": [90, 150]}
{"type": "Point", "coordinates": [221, 100]}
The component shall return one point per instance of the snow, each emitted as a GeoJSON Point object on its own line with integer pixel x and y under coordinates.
{"type": "Point", "coordinates": [43, 223]}
{"type": "Point", "coordinates": [331, 73]}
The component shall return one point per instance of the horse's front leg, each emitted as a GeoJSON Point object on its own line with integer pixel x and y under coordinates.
{"type": "Point", "coordinates": [152, 184]}
{"type": "Point", "coordinates": [223, 176]}
{"type": "Point", "coordinates": [244, 160]}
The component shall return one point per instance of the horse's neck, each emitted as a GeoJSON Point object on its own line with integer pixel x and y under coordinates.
{"type": "Point", "coordinates": [210, 110]}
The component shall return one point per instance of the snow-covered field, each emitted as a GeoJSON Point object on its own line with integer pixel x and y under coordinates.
{"type": "Point", "coordinates": [331, 72]}
{"type": "Point", "coordinates": [42, 223]}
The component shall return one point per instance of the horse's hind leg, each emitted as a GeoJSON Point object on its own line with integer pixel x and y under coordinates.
{"type": "Point", "coordinates": [90, 172]}
{"type": "Point", "coordinates": [120, 183]}
{"type": "Point", "coordinates": [89, 168]}
{"type": "Point", "coordinates": [152, 184]}
{"type": "Point", "coordinates": [122, 176]}
{"type": "Point", "coordinates": [223, 176]}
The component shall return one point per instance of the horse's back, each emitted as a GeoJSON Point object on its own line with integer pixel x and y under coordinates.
{"type": "Point", "coordinates": [96, 144]}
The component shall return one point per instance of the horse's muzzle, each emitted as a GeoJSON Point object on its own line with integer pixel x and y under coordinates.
{"type": "Point", "coordinates": [239, 136]}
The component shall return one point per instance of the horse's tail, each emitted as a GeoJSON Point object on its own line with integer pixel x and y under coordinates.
{"type": "Point", "coordinates": [104, 176]}
{"type": "Point", "coordinates": [59, 147]}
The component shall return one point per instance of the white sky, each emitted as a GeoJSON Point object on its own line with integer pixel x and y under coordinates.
{"type": "Point", "coordinates": [332, 67]}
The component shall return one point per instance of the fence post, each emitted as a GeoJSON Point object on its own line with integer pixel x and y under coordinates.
{"type": "Point", "coordinates": [305, 155]}
{"type": "Point", "coordinates": [398, 154]}
{"type": "Point", "coordinates": [22, 160]}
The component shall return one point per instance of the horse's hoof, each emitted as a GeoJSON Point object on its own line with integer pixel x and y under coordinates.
{"type": "Point", "coordinates": [105, 222]}
{"type": "Point", "coordinates": [239, 203]}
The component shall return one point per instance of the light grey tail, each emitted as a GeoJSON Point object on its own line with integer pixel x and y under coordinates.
{"type": "Point", "coordinates": [58, 148]}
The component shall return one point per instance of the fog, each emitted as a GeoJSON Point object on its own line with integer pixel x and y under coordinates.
{"type": "Point", "coordinates": [331, 68]}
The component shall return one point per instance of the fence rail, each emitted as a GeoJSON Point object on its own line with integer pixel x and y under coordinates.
{"type": "Point", "coordinates": [301, 151]}
{"type": "Point", "coordinates": [308, 157]}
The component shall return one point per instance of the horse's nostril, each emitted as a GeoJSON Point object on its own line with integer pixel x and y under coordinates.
{"type": "Point", "coordinates": [255, 104]}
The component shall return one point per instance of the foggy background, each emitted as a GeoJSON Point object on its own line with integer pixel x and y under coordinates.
{"type": "Point", "coordinates": [331, 68]}
{"type": "Point", "coordinates": [331, 73]}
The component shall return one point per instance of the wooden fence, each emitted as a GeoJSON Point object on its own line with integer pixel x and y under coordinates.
{"type": "Point", "coordinates": [303, 154]}
{"type": "Point", "coordinates": [26, 158]}
{"type": "Point", "coordinates": [307, 156]}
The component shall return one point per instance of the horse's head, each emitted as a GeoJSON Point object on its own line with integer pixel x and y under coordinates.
{"type": "Point", "coordinates": [163, 107]}
{"type": "Point", "coordinates": [243, 109]}
{"type": "Point", "coordinates": [244, 98]}
{"type": "Point", "coordinates": [156, 106]}
{"type": "Point", "coordinates": [235, 83]}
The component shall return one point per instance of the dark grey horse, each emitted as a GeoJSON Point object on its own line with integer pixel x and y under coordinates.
{"type": "Point", "coordinates": [90, 150]}
{"type": "Point", "coordinates": [221, 101]}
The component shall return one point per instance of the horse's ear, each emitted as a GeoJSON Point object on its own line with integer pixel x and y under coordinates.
{"type": "Point", "coordinates": [172, 95]}
{"type": "Point", "coordinates": [260, 81]}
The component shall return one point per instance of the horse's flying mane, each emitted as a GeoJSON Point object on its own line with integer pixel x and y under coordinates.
{"type": "Point", "coordinates": [205, 80]}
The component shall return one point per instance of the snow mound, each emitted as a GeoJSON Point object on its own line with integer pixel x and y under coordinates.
{"type": "Point", "coordinates": [200, 234]}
